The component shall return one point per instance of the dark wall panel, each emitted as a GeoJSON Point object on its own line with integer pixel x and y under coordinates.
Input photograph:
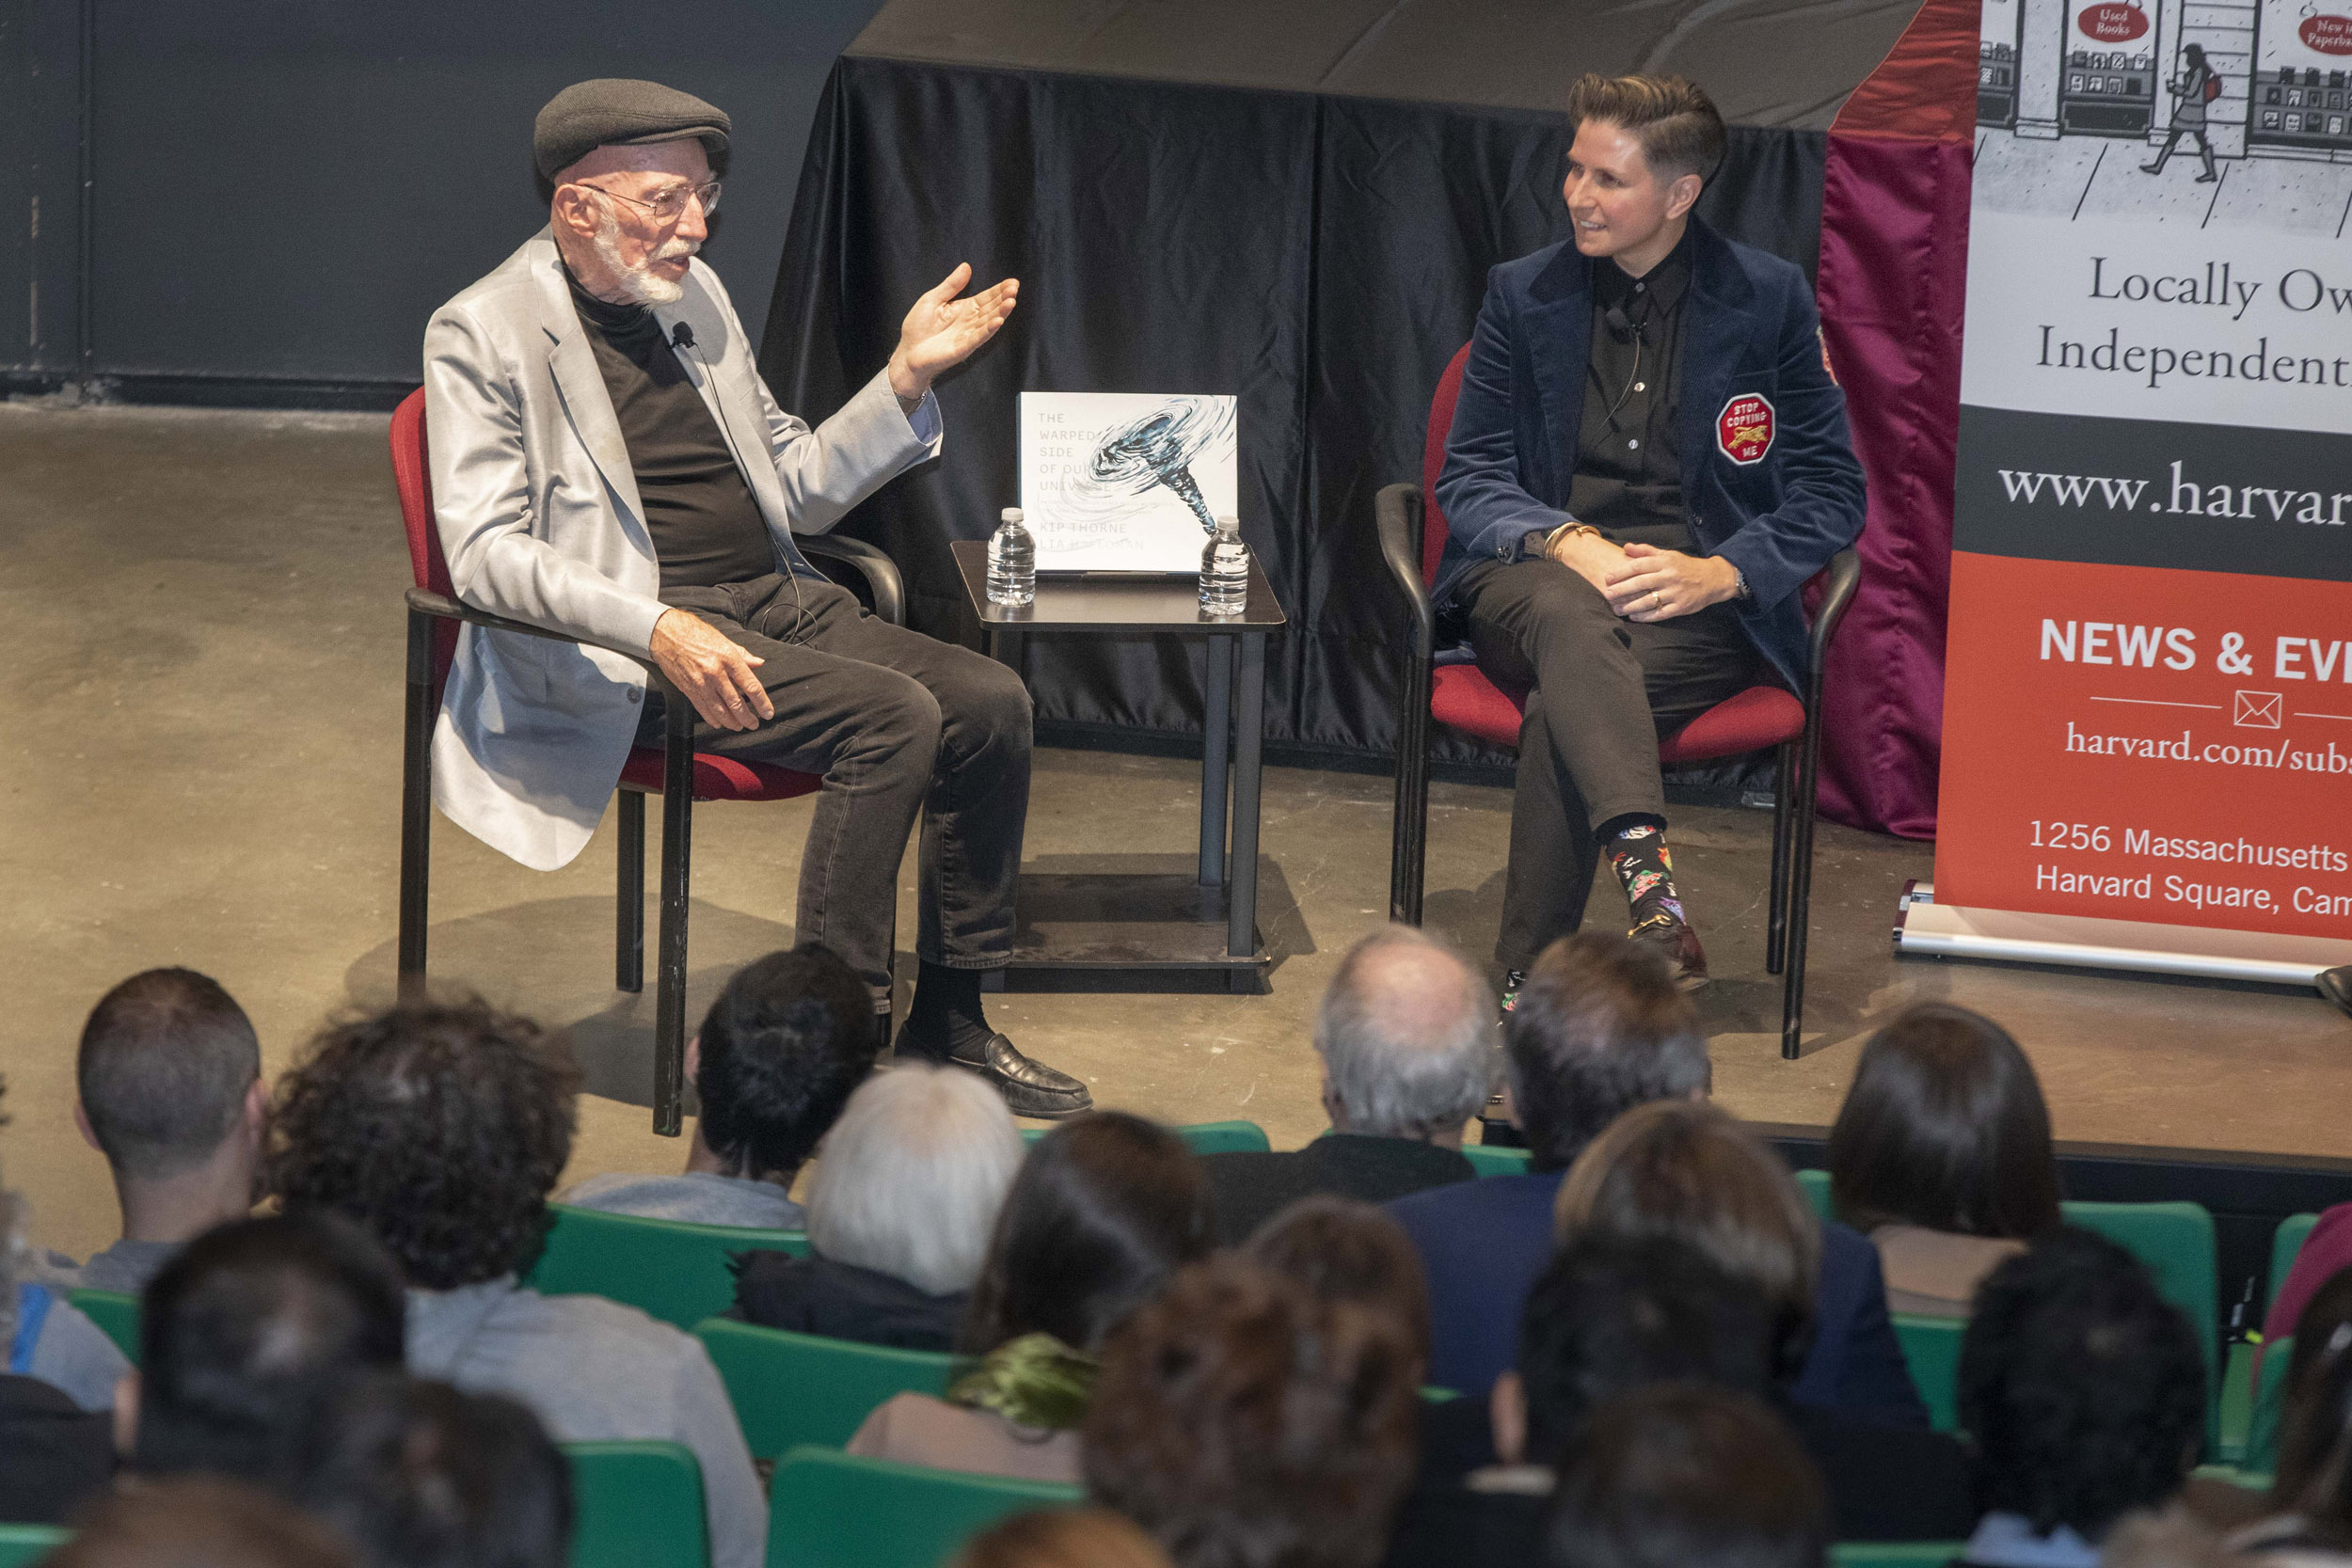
{"type": "Point", "coordinates": [285, 189]}
{"type": "Point", "coordinates": [39, 119]}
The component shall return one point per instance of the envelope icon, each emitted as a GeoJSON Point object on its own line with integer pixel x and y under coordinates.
{"type": "Point", "coordinates": [2258, 710]}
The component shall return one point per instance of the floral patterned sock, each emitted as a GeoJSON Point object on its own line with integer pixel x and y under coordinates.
{"type": "Point", "coordinates": [1645, 869]}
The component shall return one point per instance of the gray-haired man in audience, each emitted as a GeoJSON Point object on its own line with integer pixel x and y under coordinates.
{"type": "Point", "coordinates": [169, 1076]}
{"type": "Point", "coordinates": [1407, 1039]}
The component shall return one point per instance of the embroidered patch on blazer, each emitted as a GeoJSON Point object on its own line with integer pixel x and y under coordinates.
{"type": "Point", "coordinates": [1743, 431]}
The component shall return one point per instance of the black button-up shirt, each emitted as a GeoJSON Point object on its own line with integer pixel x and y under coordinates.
{"type": "Point", "coordinates": [1629, 465]}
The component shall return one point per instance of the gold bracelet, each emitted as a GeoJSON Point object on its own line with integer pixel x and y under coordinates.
{"type": "Point", "coordinates": [1566, 530]}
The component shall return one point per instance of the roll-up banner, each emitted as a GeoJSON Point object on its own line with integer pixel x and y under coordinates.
{"type": "Point", "coordinates": [2148, 703]}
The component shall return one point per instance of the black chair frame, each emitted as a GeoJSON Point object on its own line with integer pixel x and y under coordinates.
{"type": "Point", "coordinates": [886, 594]}
{"type": "Point", "coordinates": [1399, 514]}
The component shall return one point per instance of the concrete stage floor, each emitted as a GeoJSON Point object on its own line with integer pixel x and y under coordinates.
{"type": "Point", "coordinates": [199, 614]}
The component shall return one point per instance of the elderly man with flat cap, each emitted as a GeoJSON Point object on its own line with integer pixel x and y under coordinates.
{"type": "Point", "coordinates": [606, 462]}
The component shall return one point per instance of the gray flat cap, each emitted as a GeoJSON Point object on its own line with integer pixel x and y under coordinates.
{"type": "Point", "coordinates": [615, 111]}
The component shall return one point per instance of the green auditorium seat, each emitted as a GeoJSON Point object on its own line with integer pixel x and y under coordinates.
{"type": "Point", "coordinates": [2286, 1244]}
{"type": "Point", "coordinates": [1201, 1137]}
{"type": "Point", "coordinates": [1931, 1351]}
{"type": "Point", "coordinates": [1894, 1553]}
{"type": "Point", "coordinates": [828, 1509]}
{"type": "Point", "coordinates": [2270, 1389]}
{"type": "Point", "coordinates": [23, 1543]}
{"type": "Point", "coordinates": [1814, 1184]}
{"type": "Point", "coordinates": [1495, 1160]}
{"type": "Point", "coordinates": [2176, 1242]}
{"type": "Point", "coordinates": [114, 1312]}
{"type": "Point", "coordinates": [794, 1390]}
{"type": "Point", "coordinates": [675, 1270]}
{"type": "Point", "coordinates": [637, 1505]}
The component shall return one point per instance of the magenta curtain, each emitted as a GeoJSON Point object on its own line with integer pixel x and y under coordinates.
{"type": "Point", "coordinates": [1892, 276]}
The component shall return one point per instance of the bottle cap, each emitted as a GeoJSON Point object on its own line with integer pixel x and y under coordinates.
{"type": "Point", "coordinates": [1009, 514]}
{"type": "Point", "coordinates": [1228, 525]}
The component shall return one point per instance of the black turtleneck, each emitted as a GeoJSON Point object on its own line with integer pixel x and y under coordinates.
{"type": "Point", "coordinates": [1629, 464]}
{"type": "Point", "coordinates": [705, 525]}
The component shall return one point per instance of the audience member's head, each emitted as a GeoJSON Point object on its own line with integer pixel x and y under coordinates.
{"type": "Point", "coordinates": [1406, 1034]}
{"type": "Point", "coordinates": [2314, 1473]}
{"type": "Point", "coordinates": [170, 1079]}
{"type": "Point", "coordinates": [1349, 1254]}
{"type": "Point", "coordinates": [1598, 1028]}
{"type": "Point", "coordinates": [199, 1522]}
{"type": "Point", "coordinates": [1944, 1127]}
{"type": "Point", "coordinates": [1682, 1475]}
{"type": "Point", "coordinates": [417, 1475]}
{"type": "Point", "coordinates": [913, 1175]}
{"type": "Point", "coordinates": [247, 1331]}
{"type": "Point", "coordinates": [780, 1051]}
{"type": "Point", "coordinates": [1063, 1538]}
{"type": "Point", "coordinates": [1103, 1210]}
{"type": "Point", "coordinates": [1245, 1424]}
{"type": "Point", "coordinates": [1611, 1313]}
{"type": "Point", "coordinates": [441, 1128]}
{"type": "Point", "coordinates": [1686, 1171]}
{"type": "Point", "coordinates": [2084, 1390]}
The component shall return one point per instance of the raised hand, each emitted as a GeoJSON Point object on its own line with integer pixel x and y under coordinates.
{"type": "Point", "coordinates": [943, 331]}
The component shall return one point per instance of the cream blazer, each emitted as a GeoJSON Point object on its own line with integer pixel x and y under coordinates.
{"type": "Point", "coordinates": [540, 521]}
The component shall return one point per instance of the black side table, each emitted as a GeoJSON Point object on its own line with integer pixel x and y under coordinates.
{"type": "Point", "coordinates": [1073, 925]}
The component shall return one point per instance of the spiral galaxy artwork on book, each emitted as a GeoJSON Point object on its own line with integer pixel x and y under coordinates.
{"type": "Point", "coordinates": [1126, 482]}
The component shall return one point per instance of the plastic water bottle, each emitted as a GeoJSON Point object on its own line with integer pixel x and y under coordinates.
{"type": "Point", "coordinates": [1225, 570]}
{"type": "Point", "coordinates": [1011, 562]}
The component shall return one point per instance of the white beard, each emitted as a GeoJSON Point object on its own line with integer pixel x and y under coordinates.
{"type": "Point", "coordinates": [639, 282]}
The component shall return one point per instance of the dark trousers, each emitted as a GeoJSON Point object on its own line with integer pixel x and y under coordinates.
{"type": "Point", "coordinates": [1602, 692]}
{"type": "Point", "coordinates": [897, 723]}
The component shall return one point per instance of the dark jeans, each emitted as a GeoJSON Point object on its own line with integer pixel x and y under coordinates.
{"type": "Point", "coordinates": [897, 723]}
{"type": "Point", "coordinates": [1602, 692]}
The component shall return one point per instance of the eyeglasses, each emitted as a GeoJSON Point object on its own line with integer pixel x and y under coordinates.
{"type": "Point", "coordinates": [668, 205]}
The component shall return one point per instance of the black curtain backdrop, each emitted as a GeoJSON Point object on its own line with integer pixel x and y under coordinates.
{"type": "Point", "coordinates": [1321, 257]}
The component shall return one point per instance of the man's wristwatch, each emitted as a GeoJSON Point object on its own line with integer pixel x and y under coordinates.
{"type": "Point", "coordinates": [1739, 589]}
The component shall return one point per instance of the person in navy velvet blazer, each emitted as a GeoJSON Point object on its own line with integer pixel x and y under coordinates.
{"type": "Point", "coordinates": [1648, 458]}
{"type": "Point", "coordinates": [1599, 1029]}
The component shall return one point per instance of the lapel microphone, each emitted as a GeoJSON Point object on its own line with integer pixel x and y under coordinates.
{"type": "Point", "coordinates": [681, 335]}
{"type": "Point", "coordinates": [1620, 327]}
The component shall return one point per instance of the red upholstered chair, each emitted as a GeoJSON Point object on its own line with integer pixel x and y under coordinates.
{"type": "Point", "coordinates": [1412, 539]}
{"type": "Point", "coordinates": [434, 612]}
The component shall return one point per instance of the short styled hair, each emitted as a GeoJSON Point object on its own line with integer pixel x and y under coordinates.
{"type": "Point", "coordinates": [419, 1475]}
{"type": "Point", "coordinates": [439, 1127]}
{"type": "Point", "coordinates": [912, 1177]}
{"type": "Point", "coordinates": [787, 1039]}
{"type": "Point", "coordinates": [1682, 1475]}
{"type": "Point", "coordinates": [1944, 1127]}
{"type": "Point", "coordinates": [1598, 1029]}
{"type": "Point", "coordinates": [1680, 130]}
{"type": "Point", "coordinates": [1407, 1031]}
{"type": "Point", "coordinates": [1611, 1313]}
{"type": "Point", "coordinates": [1350, 1253]}
{"type": "Point", "coordinates": [1246, 1424]}
{"type": "Point", "coordinates": [1105, 1207]}
{"type": "Point", "coordinates": [166, 1060]}
{"type": "Point", "coordinates": [2084, 1390]}
{"type": "Point", "coordinates": [1688, 1171]}
{"type": "Point", "coordinates": [199, 1522]}
{"type": "Point", "coordinates": [247, 1330]}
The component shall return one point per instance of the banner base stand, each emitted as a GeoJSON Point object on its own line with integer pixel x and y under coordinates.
{"type": "Point", "coordinates": [1926, 929]}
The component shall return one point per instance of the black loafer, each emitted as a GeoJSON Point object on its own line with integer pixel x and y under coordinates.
{"type": "Point", "coordinates": [1030, 1088]}
{"type": "Point", "coordinates": [1675, 942]}
{"type": "Point", "coordinates": [2336, 985]}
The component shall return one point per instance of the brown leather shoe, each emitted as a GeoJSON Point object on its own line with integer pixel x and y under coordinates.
{"type": "Point", "coordinates": [1678, 945]}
